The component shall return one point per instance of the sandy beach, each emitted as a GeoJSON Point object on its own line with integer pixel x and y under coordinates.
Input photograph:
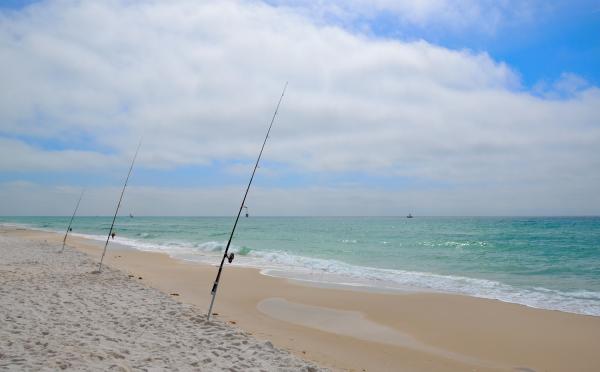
{"type": "Point", "coordinates": [335, 328]}
{"type": "Point", "coordinates": [56, 314]}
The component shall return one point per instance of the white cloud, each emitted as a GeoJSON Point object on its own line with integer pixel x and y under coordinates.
{"type": "Point", "coordinates": [200, 81]}
{"type": "Point", "coordinates": [18, 156]}
{"type": "Point", "coordinates": [567, 86]}
{"type": "Point", "coordinates": [451, 15]}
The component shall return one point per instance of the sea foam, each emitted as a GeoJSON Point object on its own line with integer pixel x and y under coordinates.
{"type": "Point", "coordinates": [332, 271]}
{"type": "Point", "coordinates": [283, 264]}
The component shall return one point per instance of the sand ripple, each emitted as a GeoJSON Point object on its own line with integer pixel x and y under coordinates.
{"type": "Point", "coordinates": [56, 314]}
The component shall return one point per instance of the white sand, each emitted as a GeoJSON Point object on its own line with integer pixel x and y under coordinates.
{"type": "Point", "coordinates": [56, 314]}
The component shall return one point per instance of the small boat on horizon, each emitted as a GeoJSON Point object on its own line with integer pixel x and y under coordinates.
{"type": "Point", "coordinates": [409, 216]}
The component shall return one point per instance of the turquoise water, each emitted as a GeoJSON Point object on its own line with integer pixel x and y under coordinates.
{"type": "Point", "coordinates": [551, 263]}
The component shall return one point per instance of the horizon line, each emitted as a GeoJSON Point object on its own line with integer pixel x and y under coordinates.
{"type": "Point", "coordinates": [326, 216]}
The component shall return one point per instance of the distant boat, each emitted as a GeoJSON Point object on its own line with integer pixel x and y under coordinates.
{"type": "Point", "coordinates": [409, 216]}
{"type": "Point", "coordinates": [130, 215]}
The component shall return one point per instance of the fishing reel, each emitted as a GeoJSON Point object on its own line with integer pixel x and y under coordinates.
{"type": "Point", "coordinates": [230, 257]}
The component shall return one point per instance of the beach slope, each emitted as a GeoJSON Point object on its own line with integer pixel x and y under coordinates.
{"type": "Point", "coordinates": [55, 313]}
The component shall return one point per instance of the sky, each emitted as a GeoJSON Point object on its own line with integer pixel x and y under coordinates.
{"type": "Point", "coordinates": [429, 107]}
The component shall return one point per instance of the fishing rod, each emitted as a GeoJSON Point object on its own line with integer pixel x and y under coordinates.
{"type": "Point", "coordinates": [118, 205]}
{"type": "Point", "coordinates": [71, 221]}
{"type": "Point", "coordinates": [230, 257]}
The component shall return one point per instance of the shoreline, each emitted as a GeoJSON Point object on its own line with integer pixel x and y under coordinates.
{"type": "Point", "coordinates": [317, 272]}
{"type": "Point", "coordinates": [400, 331]}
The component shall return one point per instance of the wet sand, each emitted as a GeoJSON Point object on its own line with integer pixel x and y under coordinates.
{"type": "Point", "coordinates": [358, 330]}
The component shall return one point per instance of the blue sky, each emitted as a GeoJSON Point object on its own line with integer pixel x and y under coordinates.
{"type": "Point", "coordinates": [566, 41]}
{"type": "Point", "coordinates": [16, 4]}
{"type": "Point", "coordinates": [557, 37]}
{"type": "Point", "coordinates": [475, 105]}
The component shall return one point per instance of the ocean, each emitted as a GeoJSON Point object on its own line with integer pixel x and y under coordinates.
{"type": "Point", "coordinates": [542, 262]}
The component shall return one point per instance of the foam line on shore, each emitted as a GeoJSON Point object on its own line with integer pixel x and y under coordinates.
{"type": "Point", "coordinates": [328, 271]}
{"type": "Point", "coordinates": [333, 272]}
